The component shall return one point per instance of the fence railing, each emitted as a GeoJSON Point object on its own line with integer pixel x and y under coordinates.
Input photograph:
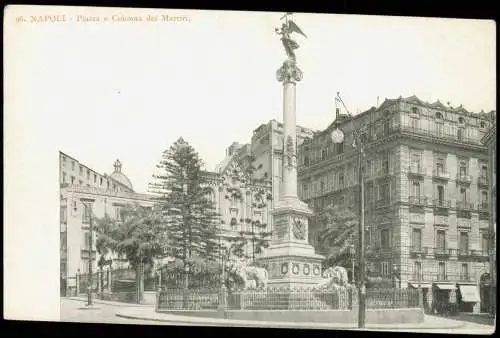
{"type": "Point", "coordinates": [285, 299]}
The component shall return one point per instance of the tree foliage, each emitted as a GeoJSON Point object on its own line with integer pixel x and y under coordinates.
{"type": "Point", "coordinates": [183, 196]}
{"type": "Point", "coordinates": [139, 235]}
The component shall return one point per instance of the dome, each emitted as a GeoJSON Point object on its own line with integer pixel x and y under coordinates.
{"type": "Point", "coordinates": [117, 175]}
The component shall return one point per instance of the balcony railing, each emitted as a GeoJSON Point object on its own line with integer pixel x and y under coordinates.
{"type": "Point", "coordinates": [464, 178]}
{"type": "Point", "coordinates": [482, 180]}
{"type": "Point", "coordinates": [464, 253]}
{"type": "Point", "coordinates": [417, 250]}
{"type": "Point", "coordinates": [441, 174]}
{"type": "Point", "coordinates": [465, 278]}
{"type": "Point", "coordinates": [483, 207]}
{"type": "Point", "coordinates": [417, 200]}
{"type": "Point", "coordinates": [416, 170]}
{"type": "Point", "coordinates": [465, 205]}
{"type": "Point", "coordinates": [441, 134]}
{"type": "Point", "coordinates": [381, 203]}
{"type": "Point", "coordinates": [441, 277]}
{"type": "Point", "coordinates": [440, 203]}
{"type": "Point", "coordinates": [443, 252]}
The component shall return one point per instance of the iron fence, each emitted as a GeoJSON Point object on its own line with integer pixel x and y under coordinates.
{"type": "Point", "coordinates": [392, 298]}
{"type": "Point", "coordinates": [179, 299]}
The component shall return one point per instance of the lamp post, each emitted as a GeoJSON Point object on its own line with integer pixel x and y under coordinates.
{"type": "Point", "coordinates": [338, 137]}
{"type": "Point", "coordinates": [352, 250]}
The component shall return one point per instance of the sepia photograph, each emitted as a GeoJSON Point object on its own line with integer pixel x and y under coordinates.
{"type": "Point", "coordinates": [250, 169]}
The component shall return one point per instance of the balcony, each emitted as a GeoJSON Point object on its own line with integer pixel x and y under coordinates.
{"type": "Point", "coordinates": [441, 204]}
{"type": "Point", "coordinates": [483, 207]}
{"type": "Point", "coordinates": [440, 174]}
{"type": "Point", "coordinates": [465, 205]}
{"type": "Point", "coordinates": [416, 171]}
{"type": "Point", "coordinates": [466, 179]}
{"type": "Point", "coordinates": [465, 278]}
{"type": "Point", "coordinates": [381, 204]}
{"type": "Point", "coordinates": [481, 255]}
{"type": "Point", "coordinates": [440, 277]}
{"type": "Point", "coordinates": [419, 201]}
{"type": "Point", "coordinates": [482, 180]}
{"type": "Point", "coordinates": [464, 253]}
{"type": "Point", "coordinates": [442, 252]}
{"type": "Point", "coordinates": [418, 251]}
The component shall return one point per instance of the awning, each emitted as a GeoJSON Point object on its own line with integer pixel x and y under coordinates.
{"type": "Point", "coordinates": [446, 286]}
{"type": "Point", "coordinates": [469, 293]}
{"type": "Point", "coordinates": [422, 285]}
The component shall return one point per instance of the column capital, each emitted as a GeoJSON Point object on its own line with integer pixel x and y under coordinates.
{"type": "Point", "coordinates": [289, 72]}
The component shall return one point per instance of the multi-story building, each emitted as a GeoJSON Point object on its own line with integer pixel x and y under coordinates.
{"type": "Point", "coordinates": [490, 141]}
{"type": "Point", "coordinates": [426, 192]}
{"type": "Point", "coordinates": [82, 191]}
{"type": "Point", "coordinates": [243, 205]}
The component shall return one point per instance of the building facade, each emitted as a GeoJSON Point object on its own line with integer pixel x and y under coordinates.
{"type": "Point", "coordinates": [83, 191]}
{"type": "Point", "coordinates": [489, 140]}
{"type": "Point", "coordinates": [426, 192]}
{"type": "Point", "coordinates": [243, 205]}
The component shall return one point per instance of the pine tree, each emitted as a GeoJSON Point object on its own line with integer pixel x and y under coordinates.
{"type": "Point", "coordinates": [183, 196]}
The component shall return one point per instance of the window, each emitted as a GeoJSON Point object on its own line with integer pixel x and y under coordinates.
{"type": "Point", "coordinates": [63, 161]}
{"type": "Point", "coordinates": [341, 200]}
{"type": "Point", "coordinates": [439, 115]}
{"type": "Point", "coordinates": [88, 174]}
{"type": "Point", "coordinates": [484, 199]}
{"type": "Point", "coordinates": [461, 134]}
{"type": "Point", "coordinates": [368, 168]}
{"type": "Point", "coordinates": [384, 191]}
{"type": "Point", "coordinates": [464, 243]}
{"type": "Point", "coordinates": [464, 272]}
{"type": "Point", "coordinates": [484, 172]}
{"type": "Point", "coordinates": [415, 161]}
{"type": "Point", "coordinates": [415, 189]}
{"type": "Point", "coordinates": [439, 129]}
{"type": "Point", "coordinates": [101, 180]}
{"type": "Point", "coordinates": [483, 125]}
{"type": "Point", "coordinates": [80, 182]}
{"type": "Point", "coordinates": [369, 193]}
{"type": "Point", "coordinates": [386, 127]}
{"type": "Point", "coordinates": [95, 178]}
{"type": "Point", "coordinates": [107, 183]}
{"type": "Point", "coordinates": [118, 213]}
{"type": "Point", "coordinates": [385, 165]}
{"type": "Point", "coordinates": [440, 194]}
{"type": "Point", "coordinates": [64, 177]}
{"type": "Point", "coordinates": [463, 168]}
{"type": "Point", "coordinates": [323, 154]}
{"type": "Point", "coordinates": [463, 195]}
{"type": "Point", "coordinates": [385, 239]}
{"type": "Point", "coordinates": [72, 179]}
{"type": "Point", "coordinates": [306, 160]}
{"type": "Point", "coordinates": [340, 148]}
{"type": "Point", "coordinates": [341, 179]}
{"type": "Point", "coordinates": [86, 214]}
{"type": "Point", "coordinates": [63, 215]}
{"type": "Point", "coordinates": [322, 185]}
{"type": "Point", "coordinates": [368, 238]}
{"type": "Point", "coordinates": [460, 120]}
{"type": "Point", "coordinates": [440, 165]}
{"type": "Point", "coordinates": [414, 123]}
{"type": "Point", "coordinates": [441, 271]}
{"type": "Point", "coordinates": [416, 240]}
{"type": "Point", "coordinates": [417, 271]}
{"type": "Point", "coordinates": [441, 241]}
{"type": "Point", "coordinates": [485, 243]}
{"type": "Point", "coordinates": [73, 165]}
{"type": "Point", "coordinates": [81, 171]}
{"type": "Point", "coordinates": [414, 110]}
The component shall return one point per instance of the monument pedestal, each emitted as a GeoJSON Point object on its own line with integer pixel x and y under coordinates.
{"type": "Point", "coordinates": [290, 260]}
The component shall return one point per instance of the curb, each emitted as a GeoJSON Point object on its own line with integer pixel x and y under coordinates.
{"type": "Point", "coordinates": [105, 302]}
{"type": "Point", "coordinates": [284, 325]}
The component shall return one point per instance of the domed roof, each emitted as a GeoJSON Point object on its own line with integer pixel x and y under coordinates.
{"type": "Point", "coordinates": [117, 175]}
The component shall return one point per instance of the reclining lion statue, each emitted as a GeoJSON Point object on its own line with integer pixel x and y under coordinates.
{"type": "Point", "coordinates": [253, 277]}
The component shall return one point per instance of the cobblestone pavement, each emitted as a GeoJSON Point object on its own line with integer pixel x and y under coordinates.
{"type": "Point", "coordinates": [72, 310]}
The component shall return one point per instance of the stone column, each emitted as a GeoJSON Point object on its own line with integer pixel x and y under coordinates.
{"type": "Point", "coordinates": [289, 73]}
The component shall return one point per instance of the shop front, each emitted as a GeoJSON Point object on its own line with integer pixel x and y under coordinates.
{"type": "Point", "coordinates": [444, 298]}
{"type": "Point", "coordinates": [426, 294]}
{"type": "Point", "coordinates": [468, 298]}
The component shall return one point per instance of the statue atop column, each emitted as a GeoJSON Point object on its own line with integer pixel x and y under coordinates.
{"type": "Point", "coordinates": [289, 70]}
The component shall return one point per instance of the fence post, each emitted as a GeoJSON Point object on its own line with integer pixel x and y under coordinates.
{"type": "Point", "coordinates": [223, 301]}
{"type": "Point", "coordinates": [108, 276]}
{"type": "Point", "coordinates": [77, 278]}
{"type": "Point", "coordinates": [99, 281]}
{"type": "Point", "coordinates": [354, 304]}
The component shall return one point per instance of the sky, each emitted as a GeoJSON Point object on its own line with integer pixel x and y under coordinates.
{"type": "Point", "coordinates": [101, 91]}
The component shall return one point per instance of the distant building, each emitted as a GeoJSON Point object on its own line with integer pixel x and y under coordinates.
{"type": "Point", "coordinates": [426, 192]}
{"type": "Point", "coordinates": [243, 205]}
{"type": "Point", "coordinates": [80, 186]}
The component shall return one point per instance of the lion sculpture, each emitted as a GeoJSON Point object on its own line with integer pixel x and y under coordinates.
{"type": "Point", "coordinates": [253, 277]}
{"type": "Point", "coordinates": [334, 278]}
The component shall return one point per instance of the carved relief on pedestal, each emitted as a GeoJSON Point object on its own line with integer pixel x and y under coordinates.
{"type": "Point", "coordinates": [316, 270]}
{"type": "Point", "coordinates": [299, 228]}
{"type": "Point", "coordinates": [306, 270]}
{"type": "Point", "coordinates": [289, 72]}
{"type": "Point", "coordinates": [295, 268]}
{"type": "Point", "coordinates": [284, 269]}
{"type": "Point", "coordinates": [281, 227]}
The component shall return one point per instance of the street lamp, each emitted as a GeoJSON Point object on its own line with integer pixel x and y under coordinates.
{"type": "Point", "coordinates": [338, 137]}
{"type": "Point", "coordinates": [352, 251]}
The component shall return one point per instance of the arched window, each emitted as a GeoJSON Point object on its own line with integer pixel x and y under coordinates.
{"type": "Point", "coordinates": [439, 115]}
{"type": "Point", "coordinates": [482, 124]}
{"type": "Point", "coordinates": [460, 120]}
{"type": "Point", "coordinates": [414, 110]}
